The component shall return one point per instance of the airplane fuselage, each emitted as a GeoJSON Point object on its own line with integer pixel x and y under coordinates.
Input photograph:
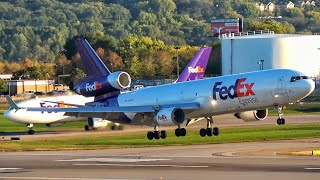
{"type": "Point", "coordinates": [226, 94]}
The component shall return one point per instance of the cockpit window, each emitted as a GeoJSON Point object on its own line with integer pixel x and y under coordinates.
{"type": "Point", "coordinates": [297, 78]}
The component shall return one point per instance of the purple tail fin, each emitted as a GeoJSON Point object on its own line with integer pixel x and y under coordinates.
{"type": "Point", "coordinates": [197, 66]}
{"type": "Point", "coordinates": [93, 65]}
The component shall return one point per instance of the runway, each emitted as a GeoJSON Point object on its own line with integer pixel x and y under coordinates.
{"type": "Point", "coordinates": [249, 160]}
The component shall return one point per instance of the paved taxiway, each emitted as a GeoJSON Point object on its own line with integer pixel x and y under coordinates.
{"type": "Point", "coordinates": [250, 160]}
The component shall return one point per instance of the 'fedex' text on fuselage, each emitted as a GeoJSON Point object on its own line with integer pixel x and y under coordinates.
{"type": "Point", "coordinates": [239, 89]}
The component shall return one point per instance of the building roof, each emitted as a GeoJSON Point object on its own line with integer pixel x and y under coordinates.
{"type": "Point", "coordinates": [262, 36]}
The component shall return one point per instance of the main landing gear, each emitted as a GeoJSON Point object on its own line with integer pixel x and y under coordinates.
{"type": "Point", "coordinates": [156, 134]}
{"type": "Point", "coordinates": [30, 131]}
{"type": "Point", "coordinates": [280, 120]}
{"type": "Point", "coordinates": [180, 131]}
{"type": "Point", "coordinates": [209, 131]}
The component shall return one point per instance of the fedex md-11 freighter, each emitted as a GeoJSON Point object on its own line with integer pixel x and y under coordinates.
{"type": "Point", "coordinates": [247, 95]}
{"type": "Point", "coordinates": [194, 70]}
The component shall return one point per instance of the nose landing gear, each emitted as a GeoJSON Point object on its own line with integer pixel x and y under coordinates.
{"type": "Point", "coordinates": [280, 120]}
{"type": "Point", "coordinates": [30, 131]}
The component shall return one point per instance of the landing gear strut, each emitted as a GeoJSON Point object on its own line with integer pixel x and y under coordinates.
{"type": "Point", "coordinates": [209, 131]}
{"type": "Point", "coordinates": [280, 120]}
{"type": "Point", "coordinates": [156, 134]}
{"type": "Point", "coordinates": [30, 131]}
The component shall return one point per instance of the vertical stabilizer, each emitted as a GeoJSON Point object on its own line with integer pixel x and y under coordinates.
{"type": "Point", "coordinates": [197, 66]}
{"type": "Point", "coordinates": [93, 65]}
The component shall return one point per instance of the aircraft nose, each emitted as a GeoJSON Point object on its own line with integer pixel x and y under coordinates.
{"type": "Point", "coordinates": [7, 113]}
{"type": "Point", "coordinates": [305, 88]}
{"type": "Point", "coordinates": [309, 86]}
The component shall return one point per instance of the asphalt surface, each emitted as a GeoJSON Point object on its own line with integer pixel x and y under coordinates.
{"type": "Point", "coordinates": [254, 160]}
{"type": "Point", "coordinates": [248, 160]}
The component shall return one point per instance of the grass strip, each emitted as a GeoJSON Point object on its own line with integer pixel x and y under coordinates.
{"type": "Point", "coordinates": [228, 135]}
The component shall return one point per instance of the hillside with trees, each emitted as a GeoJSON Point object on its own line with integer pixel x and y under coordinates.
{"type": "Point", "coordinates": [133, 35]}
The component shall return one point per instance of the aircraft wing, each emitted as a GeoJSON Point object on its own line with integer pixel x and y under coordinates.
{"type": "Point", "coordinates": [114, 111]}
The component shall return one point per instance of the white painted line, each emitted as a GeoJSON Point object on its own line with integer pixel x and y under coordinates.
{"type": "Point", "coordinates": [4, 169]}
{"type": "Point", "coordinates": [317, 168]}
{"type": "Point", "coordinates": [61, 178]}
{"type": "Point", "coordinates": [123, 160]}
{"type": "Point", "coordinates": [141, 165]}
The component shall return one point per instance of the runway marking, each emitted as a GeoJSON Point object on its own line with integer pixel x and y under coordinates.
{"type": "Point", "coordinates": [316, 168]}
{"type": "Point", "coordinates": [141, 165]}
{"type": "Point", "coordinates": [124, 160]}
{"type": "Point", "coordinates": [62, 178]}
{"type": "Point", "coordinates": [4, 169]}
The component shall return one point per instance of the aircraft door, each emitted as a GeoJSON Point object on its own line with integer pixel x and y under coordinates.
{"type": "Point", "coordinates": [279, 84]}
{"type": "Point", "coordinates": [280, 91]}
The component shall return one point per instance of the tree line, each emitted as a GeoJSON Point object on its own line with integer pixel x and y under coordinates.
{"type": "Point", "coordinates": [137, 36]}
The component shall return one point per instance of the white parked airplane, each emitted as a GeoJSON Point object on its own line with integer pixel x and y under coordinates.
{"type": "Point", "coordinates": [248, 95]}
{"type": "Point", "coordinates": [54, 119]}
{"type": "Point", "coordinates": [197, 65]}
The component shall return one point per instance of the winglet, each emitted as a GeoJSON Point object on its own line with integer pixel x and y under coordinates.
{"type": "Point", "coordinates": [12, 104]}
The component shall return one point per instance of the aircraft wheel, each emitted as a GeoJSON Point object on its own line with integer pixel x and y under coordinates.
{"type": "Point", "coordinates": [150, 135]}
{"type": "Point", "coordinates": [203, 132]}
{"type": "Point", "coordinates": [86, 127]}
{"type": "Point", "coordinates": [120, 127]}
{"type": "Point", "coordinates": [209, 131]}
{"type": "Point", "coordinates": [163, 134]}
{"type": "Point", "coordinates": [156, 135]}
{"type": "Point", "coordinates": [177, 132]}
{"type": "Point", "coordinates": [216, 131]}
{"type": "Point", "coordinates": [183, 132]}
{"type": "Point", "coordinates": [31, 131]}
{"type": "Point", "coordinates": [281, 121]}
{"type": "Point", "coordinates": [113, 127]}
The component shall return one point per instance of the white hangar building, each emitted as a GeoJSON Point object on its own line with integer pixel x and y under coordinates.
{"type": "Point", "coordinates": [267, 51]}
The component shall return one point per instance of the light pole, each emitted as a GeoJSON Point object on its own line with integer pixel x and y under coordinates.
{"type": "Point", "coordinates": [177, 54]}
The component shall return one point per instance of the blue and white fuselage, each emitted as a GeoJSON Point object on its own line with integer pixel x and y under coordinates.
{"type": "Point", "coordinates": [221, 95]}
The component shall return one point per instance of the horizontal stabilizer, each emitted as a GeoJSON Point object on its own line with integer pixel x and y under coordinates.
{"type": "Point", "coordinates": [12, 104]}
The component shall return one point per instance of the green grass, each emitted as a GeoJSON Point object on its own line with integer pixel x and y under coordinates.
{"type": "Point", "coordinates": [300, 109]}
{"type": "Point", "coordinates": [10, 126]}
{"type": "Point", "coordinates": [139, 139]}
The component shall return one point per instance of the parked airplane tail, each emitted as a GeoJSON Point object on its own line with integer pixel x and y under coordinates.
{"type": "Point", "coordinates": [94, 67]}
{"type": "Point", "coordinates": [197, 66]}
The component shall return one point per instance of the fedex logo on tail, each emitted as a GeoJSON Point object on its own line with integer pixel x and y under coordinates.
{"type": "Point", "coordinates": [197, 69]}
{"type": "Point", "coordinates": [93, 87]}
{"type": "Point", "coordinates": [239, 89]}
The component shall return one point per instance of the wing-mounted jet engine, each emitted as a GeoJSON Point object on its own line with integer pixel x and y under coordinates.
{"type": "Point", "coordinates": [99, 123]}
{"type": "Point", "coordinates": [256, 115]}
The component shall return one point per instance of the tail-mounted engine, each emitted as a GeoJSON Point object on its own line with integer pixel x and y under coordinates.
{"type": "Point", "coordinates": [113, 82]}
{"type": "Point", "coordinates": [169, 116]}
{"type": "Point", "coordinates": [256, 115]}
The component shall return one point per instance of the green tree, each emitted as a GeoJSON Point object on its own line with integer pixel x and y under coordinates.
{"type": "Point", "coordinates": [3, 87]}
